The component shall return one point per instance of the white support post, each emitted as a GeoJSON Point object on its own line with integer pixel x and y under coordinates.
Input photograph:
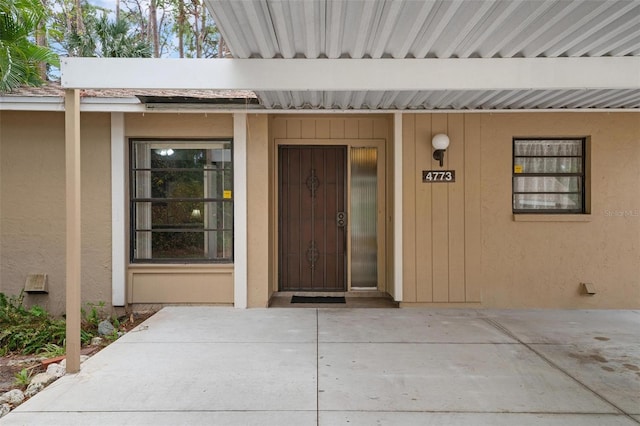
{"type": "Point", "coordinates": [118, 223]}
{"type": "Point", "coordinates": [397, 206]}
{"type": "Point", "coordinates": [73, 228]}
{"type": "Point", "coordinates": [240, 265]}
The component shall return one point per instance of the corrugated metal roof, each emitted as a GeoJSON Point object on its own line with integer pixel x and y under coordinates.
{"type": "Point", "coordinates": [434, 29]}
{"type": "Point", "coordinates": [454, 99]}
{"type": "Point", "coordinates": [428, 29]}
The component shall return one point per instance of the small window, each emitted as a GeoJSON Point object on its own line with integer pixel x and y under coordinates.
{"type": "Point", "coordinates": [181, 201]}
{"type": "Point", "coordinates": [549, 175]}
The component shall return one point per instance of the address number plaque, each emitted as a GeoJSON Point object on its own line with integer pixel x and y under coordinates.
{"type": "Point", "coordinates": [433, 176]}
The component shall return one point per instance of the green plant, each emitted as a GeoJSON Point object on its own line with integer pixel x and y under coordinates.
{"type": "Point", "coordinates": [85, 337]}
{"type": "Point", "coordinates": [113, 336]}
{"type": "Point", "coordinates": [95, 314]}
{"type": "Point", "coordinates": [33, 330]}
{"type": "Point", "coordinates": [27, 330]}
{"type": "Point", "coordinates": [92, 316]}
{"type": "Point", "coordinates": [51, 350]}
{"type": "Point", "coordinates": [23, 377]}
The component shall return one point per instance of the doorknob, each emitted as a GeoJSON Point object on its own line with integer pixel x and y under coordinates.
{"type": "Point", "coordinates": [341, 218]}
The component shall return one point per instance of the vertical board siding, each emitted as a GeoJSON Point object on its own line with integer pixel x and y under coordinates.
{"type": "Point", "coordinates": [351, 129]}
{"type": "Point", "coordinates": [423, 234]}
{"type": "Point", "coordinates": [441, 227]}
{"type": "Point", "coordinates": [440, 219]}
{"type": "Point", "coordinates": [294, 129]}
{"type": "Point", "coordinates": [441, 231]}
{"type": "Point", "coordinates": [323, 128]}
{"type": "Point", "coordinates": [472, 208]}
{"type": "Point", "coordinates": [365, 128]}
{"type": "Point", "coordinates": [308, 128]}
{"type": "Point", "coordinates": [279, 129]}
{"type": "Point", "coordinates": [409, 222]}
{"type": "Point", "coordinates": [455, 152]}
{"type": "Point", "coordinates": [330, 128]}
{"type": "Point", "coordinates": [337, 129]}
{"type": "Point", "coordinates": [380, 129]}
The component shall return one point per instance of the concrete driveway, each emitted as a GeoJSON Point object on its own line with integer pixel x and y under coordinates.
{"type": "Point", "coordinates": [222, 366]}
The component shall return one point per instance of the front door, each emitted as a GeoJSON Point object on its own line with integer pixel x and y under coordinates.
{"type": "Point", "coordinates": [312, 218]}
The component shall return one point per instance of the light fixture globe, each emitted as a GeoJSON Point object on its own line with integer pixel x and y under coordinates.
{"type": "Point", "coordinates": [440, 141]}
{"type": "Point", "coordinates": [440, 144]}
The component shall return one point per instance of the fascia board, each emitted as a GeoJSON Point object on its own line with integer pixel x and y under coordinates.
{"type": "Point", "coordinates": [352, 74]}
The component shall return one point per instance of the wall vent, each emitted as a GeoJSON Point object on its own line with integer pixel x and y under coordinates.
{"type": "Point", "coordinates": [588, 289]}
{"type": "Point", "coordinates": [36, 283]}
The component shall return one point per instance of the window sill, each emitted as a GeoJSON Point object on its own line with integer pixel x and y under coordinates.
{"type": "Point", "coordinates": [181, 266]}
{"type": "Point", "coordinates": [527, 217]}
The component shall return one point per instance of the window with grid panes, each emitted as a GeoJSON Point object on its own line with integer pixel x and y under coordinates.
{"type": "Point", "coordinates": [181, 201]}
{"type": "Point", "coordinates": [549, 175]}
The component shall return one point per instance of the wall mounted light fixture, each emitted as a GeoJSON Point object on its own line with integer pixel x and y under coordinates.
{"type": "Point", "coordinates": [440, 143]}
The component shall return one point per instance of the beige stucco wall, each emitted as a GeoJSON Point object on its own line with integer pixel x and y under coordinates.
{"type": "Point", "coordinates": [540, 264]}
{"type": "Point", "coordinates": [32, 205]}
{"type": "Point", "coordinates": [462, 244]}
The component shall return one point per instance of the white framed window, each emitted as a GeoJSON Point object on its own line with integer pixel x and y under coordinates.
{"type": "Point", "coordinates": [181, 201]}
{"type": "Point", "coordinates": [549, 175]}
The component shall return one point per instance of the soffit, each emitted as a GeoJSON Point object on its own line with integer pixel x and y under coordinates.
{"type": "Point", "coordinates": [434, 29]}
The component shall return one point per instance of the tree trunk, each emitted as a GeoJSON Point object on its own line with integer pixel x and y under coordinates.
{"type": "Point", "coordinates": [80, 29]}
{"type": "Point", "coordinates": [203, 26]}
{"type": "Point", "coordinates": [41, 40]}
{"type": "Point", "coordinates": [196, 28]}
{"type": "Point", "coordinates": [181, 19]}
{"type": "Point", "coordinates": [153, 27]}
{"type": "Point", "coordinates": [221, 46]}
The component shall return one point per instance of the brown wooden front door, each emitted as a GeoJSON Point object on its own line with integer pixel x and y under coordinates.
{"type": "Point", "coordinates": [312, 218]}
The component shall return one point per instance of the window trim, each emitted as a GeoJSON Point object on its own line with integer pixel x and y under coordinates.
{"type": "Point", "coordinates": [530, 213]}
{"type": "Point", "coordinates": [132, 200]}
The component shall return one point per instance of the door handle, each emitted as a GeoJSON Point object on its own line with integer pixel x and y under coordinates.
{"type": "Point", "coordinates": [341, 219]}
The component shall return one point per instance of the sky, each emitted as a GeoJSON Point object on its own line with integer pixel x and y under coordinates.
{"type": "Point", "coordinates": [108, 4]}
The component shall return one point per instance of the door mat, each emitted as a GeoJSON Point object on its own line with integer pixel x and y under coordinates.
{"type": "Point", "coordinates": [318, 299]}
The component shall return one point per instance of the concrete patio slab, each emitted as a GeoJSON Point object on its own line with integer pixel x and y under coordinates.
{"type": "Point", "coordinates": [564, 326]}
{"type": "Point", "coordinates": [446, 377]}
{"type": "Point", "coordinates": [191, 377]}
{"type": "Point", "coordinates": [407, 325]}
{"type": "Point", "coordinates": [611, 371]}
{"type": "Point", "coordinates": [167, 418]}
{"type": "Point", "coordinates": [367, 418]}
{"type": "Point", "coordinates": [291, 366]}
{"type": "Point", "coordinates": [225, 324]}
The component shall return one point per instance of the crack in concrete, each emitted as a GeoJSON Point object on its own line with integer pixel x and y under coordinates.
{"type": "Point", "coordinates": [508, 333]}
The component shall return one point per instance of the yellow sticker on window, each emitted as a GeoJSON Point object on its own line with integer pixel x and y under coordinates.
{"type": "Point", "coordinates": [226, 195]}
{"type": "Point", "coordinates": [517, 168]}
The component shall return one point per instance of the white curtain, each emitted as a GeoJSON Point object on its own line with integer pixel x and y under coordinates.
{"type": "Point", "coordinates": [548, 157]}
